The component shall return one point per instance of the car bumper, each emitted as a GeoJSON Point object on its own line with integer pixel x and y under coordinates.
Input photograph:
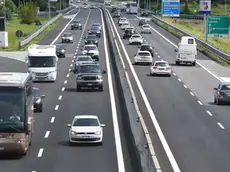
{"type": "Point", "coordinates": [224, 99]}
{"type": "Point", "coordinates": [89, 83]}
{"type": "Point", "coordinates": [143, 60]}
{"type": "Point", "coordinates": [163, 72]}
{"type": "Point", "coordinates": [67, 40]}
{"type": "Point", "coordinates": [88, 139]}
{"type": "Point", "coordinates": [59, 54]}
{"type": "Point", "coordinates": [135, 42]}
{"type": "Point", "coordinates": [146, 31]}
{"type": "Point", "coordinates": [9, 148]}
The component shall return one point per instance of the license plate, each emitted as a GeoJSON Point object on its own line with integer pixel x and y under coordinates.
{"type": "Point", "coordinates": [161, 69]}
{"type": "Point", "coordinates": [90, 84]}
{"type": "Point", "coordinates": [85, 137]}
{"type": "Point", "coordinates": [2, 148]}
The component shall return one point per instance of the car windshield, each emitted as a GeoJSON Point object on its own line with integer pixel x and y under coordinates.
{"type": "Point", "coordinates": [76, 22]}
{"type": "Point", "coordinates": [60, 46]}
{"type": "Point", "coordinates": [91, 37]}
{"type": "Point", "coordinates": [94, 28]}
{"type": "Point", "coordinates": [89, 69]}
{"type": "Point", "coordinates": [84, 59]}
{"type": "Point", "coordinates": [96, 24]}
{"type": "Point", "coordinates": [12, 107]}
{"type": "Point", "coordinates": [88, 48]}
{"type": "Point", "coordinates": [86, 122]}
{"type": "Point", "coordinates": [143, 54]}
{"type": "Point", "coordinates": [36, 93]}
{"type": "Point", "coordinates": [161, 64]}
{"type": "Point", "coordinates": [41, 61]}
{"type": "Point", "coordinates": [225, 88]}
{"type": "Point", "coordinates": [67, 35]}
{"type": "Point", "coordinates": [146, 26]}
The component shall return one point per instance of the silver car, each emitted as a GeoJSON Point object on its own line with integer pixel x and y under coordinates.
{"type": "Point", "coordinates": [67, 37]}
{"type": "Point", "coordinates": [222, 93]}
{"type": "Point", "coordinates": [82, 59]}
{"type": "Point", "coordinates": [97, 25]}
{"type": "Point", "coordinates": [146, 28]}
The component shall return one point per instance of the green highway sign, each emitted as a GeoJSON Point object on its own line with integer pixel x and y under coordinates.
{"type": "Point", "coordinates": [217, 27]}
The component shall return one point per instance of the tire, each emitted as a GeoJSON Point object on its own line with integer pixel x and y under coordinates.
{"type": "Point", "coordinates": [215, 101]}
{"type": "Point", "coordinates": [218, 102]}
{"type": "Point", "coordinates": [78, 88]}
{"type": "Point", "coordinates": [41, 109]}
{"type": "Point", "coordinates": [177, 63]}
{"type": "Point", "coordinates": [70, 143]}
{"type": "Point", "coordinates": [194, 64]}
{"type": "Point", "coordinates": [100, 143]}
{"type": "Point", "coordinates": [101, 88]}
{"type": "Point", "coordinates": [169, 75]}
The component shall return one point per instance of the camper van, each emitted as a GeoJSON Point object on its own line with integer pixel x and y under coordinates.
{"type": "Point", "coordinates": [187, 51]}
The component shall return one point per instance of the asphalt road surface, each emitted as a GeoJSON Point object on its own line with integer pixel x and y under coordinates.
{"type": "Point", "coordinates": [50, 151]}
{"type": "Point", "coordinates": [196, 130]}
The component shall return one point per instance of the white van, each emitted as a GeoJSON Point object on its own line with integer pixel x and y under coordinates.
{"type": "Point", "coordinates": [187, 51]}
{"type": "Point", "coordinates": [42, 62]}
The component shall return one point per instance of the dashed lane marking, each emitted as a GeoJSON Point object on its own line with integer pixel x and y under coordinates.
{"type": "Point", "coordinates": [209, 113]}
{"type": "Point", "coordinates": [47, 134]}
{"type": "Point", "coordinates": [174, 74]}
{"type": "Point", "coordinates": [52, 120]}
{"type": "Point", "coordinates": [56, 107]}
{"type": "Point", "coordinates": [191, 93]}
{"type": "Point", "coordinates": [185, 86]}
{"type": "Point", "coordinates": [63, 89]}
{"type": "Point", "coordinates": [179, 79]}
{"type": "Point", "coordinates": [60, 97]}
{"type": "Point", "coordinates": [67, 75]}
{"type": "Point", "coordinates": [200, 102]}
{"type": "Point", "coordinates": [220, 125]}
{"type": "Point", "coordinates": [40, 152]}
{"type": "Point", "coordinates": [65, 82]}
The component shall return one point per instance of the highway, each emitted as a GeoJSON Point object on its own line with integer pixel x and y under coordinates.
{"type": "Point", "coordinates": [196, 130]}
{"type": "Point", "coordinates": [50, 150]}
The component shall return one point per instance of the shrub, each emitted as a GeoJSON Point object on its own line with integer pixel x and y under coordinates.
{"type": "Point", "coordinates": [27, 12]}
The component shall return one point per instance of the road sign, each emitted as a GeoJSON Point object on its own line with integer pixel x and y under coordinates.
{"type": "Point", "coordinates": [205, 6]}
{"type": "Point", "coordinates": [218, 27]}
{"type": "Point", "coordinates": [170, 8]}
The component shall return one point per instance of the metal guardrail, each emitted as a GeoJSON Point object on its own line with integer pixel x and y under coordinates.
{"type": "Point", "coordinates": [24, 42]}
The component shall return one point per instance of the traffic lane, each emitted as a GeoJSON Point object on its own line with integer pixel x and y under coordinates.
{"type": "Point", "coordinates": [51, 35]}
{"type": "Point", "coordinates": [58, 156]}
{"type": "Point", "coordinates": [201, 85]}
{"type": "Point", "coordinates": [177, 100]}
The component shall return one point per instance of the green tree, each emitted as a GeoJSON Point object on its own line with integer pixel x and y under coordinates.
{"type": "Point", "coordinates": [27, 12]}
{"type": "Point", "coordinates": [9, 9]}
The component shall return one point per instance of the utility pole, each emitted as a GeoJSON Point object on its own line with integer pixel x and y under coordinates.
{"type": "Point", "coordinates": [60, 4]}
{"type": "Point", "coordinates": [49, 8]}
{"type": "Point", "coordinates": [225, 7]}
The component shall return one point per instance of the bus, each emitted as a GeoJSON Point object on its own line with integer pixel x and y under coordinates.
{"type": "Point", "coordinates": [42, 62]}
{"type": "Point", "coordinates": [131, 8]}
{"type": "Point", "coordinates": [17, 113]}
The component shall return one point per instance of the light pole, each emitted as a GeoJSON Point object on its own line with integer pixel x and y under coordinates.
{"type": "Point", "coordinates": [225, 7]}
{"type": "Point", "coordinates": [49, 7]}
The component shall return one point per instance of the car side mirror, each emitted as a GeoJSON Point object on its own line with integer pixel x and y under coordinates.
{"type": "Point", "coordinates": [215, 88]}
{"type": "Point", "coordinates": [43, 96]}
{"type": "Point", "coordinates": [103, 72]}
{"type": "Point", "coordinates": [176, 50]}
{"type": "Point", "coordinates": [69, 125]}
{"type": "Point", "coordinates": [102, 125]}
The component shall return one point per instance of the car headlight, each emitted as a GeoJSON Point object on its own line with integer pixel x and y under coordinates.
{"type": "Point", "coordinates": [98, 132]}
{"type": "Point", "coordinates": [99, 77]}
{"type": "Point", "coordinates": [98, 31]}
{"type": "Point", "coordinates": [62, 51]}
{"type": "Point", "coordinates": [38, 101]}
{"type": "Point", "coordinates": [50, 72]}
{"type": "Point", "coordinates": [73, 133]}
{"type": "Point", "coordinates": [19, 140]}
{"type": "Point", "coordinates": [79, 78]}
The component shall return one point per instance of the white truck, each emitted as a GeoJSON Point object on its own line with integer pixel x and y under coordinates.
{"type": "Point", "coordinates": [42, 62]}
{"type": "Point", "coordinates": [187, 51]}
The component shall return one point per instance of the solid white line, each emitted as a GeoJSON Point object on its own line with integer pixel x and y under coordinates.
{"type": "Point", "coordinates": [192, 93]}
{"type": "Point", "coordinates": [120, 158]}
{"type": "Point", "coordinates": [65, 27]}
{"type": "Point", "coordinates": [174, 74]}
{"type": "Point", "coordinates": [70, 11]}
{"type": "Point", "coordinates": [210, 114]}
{"type": "Point", "coordinates": [179, 79]}
{"type": "Point", "coordinates": [63, 89]}
{"type": "Point", "coordinates": [56, 107]}
{"type": "Point", "coordinates": [52, 120]}
{"type": "Point", "coordinates": [40, 152]}
{"type": "Point", "coordinates": [220, 125]}
{"type": "Point", "coordinates": [200, 102]}
{"type": "Point", "coordinates": [185, 86]}
{"type": "Point", "coordinates": [65, 82]}
{"type": "Point", "coordinates": [67, 75]}
{"type": "Point", "coordinates": [148, 106]}
{"type": "Point", "coordinates": [60, 97]}
{"type": "Point", "coordinates": [47, 134]}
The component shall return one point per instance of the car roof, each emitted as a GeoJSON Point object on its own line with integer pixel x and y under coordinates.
{"type": "Point", "coordinates": [90, 45]}
{"type": "Point", "coordinates": [86, 116]}
{"type": "Point", "coordinates": [225, 83]}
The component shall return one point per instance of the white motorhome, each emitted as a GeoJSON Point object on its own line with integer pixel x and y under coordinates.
{"type": "Point", "coordinates": [42, 62]}
{"type": "Point", "coordinates": [131, 8]}
{"type": "Point", "coordinates": [187, 51]}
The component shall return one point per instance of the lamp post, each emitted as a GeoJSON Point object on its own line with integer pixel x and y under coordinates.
{"type": "Point", "coordinates": [49, 7]}
{"type": "Point", "coordinates": [225, 7]}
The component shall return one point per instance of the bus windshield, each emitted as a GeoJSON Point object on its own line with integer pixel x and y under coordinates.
{"type": "Point", "coordinates": [40, 61]}
{"type": "Point", "coordinates": [12, 107]}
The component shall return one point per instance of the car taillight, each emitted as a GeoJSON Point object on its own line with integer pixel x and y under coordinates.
{"type": "Point", "coordinates": [221, 93]}
{"type": "Point", "coordinates": [168, 68]}
{"type": "Point", "coordinates": [154, 67]}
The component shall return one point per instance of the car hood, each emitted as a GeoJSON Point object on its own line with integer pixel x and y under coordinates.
{"type": "Point", "coordinates": [36, 98]}
{"type": "Point", "coordinates": [84, 62]}
{"type": "Point", "coordinates": [88, 74]}
{"type": "Point", "coordinates": [86, 129]}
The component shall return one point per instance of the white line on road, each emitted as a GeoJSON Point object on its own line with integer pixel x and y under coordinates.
{"type": "Point", "coordinates": [185, 86]}
{"type": "Point", "coordinates": [65, 82]}
{"type": "Point", "coordinates": [47, 134]}
{"type": "Point", "coordinates": [159, 56]}
{"type": "Point", "coordinates": [69, 70]}
{"type": "Point", "coordinates": [67, 75]}
{"type": "Point", "coordinates": [40, 152]}
{"type": "Point", "coordinates": [210, 114]}
{"type": "Point", "coordinates": [200, 102]}
{"type": "Point", "coordinates": [63, 89]}
{"type": "Point", "coordinates": [56, 107]}
{"type": "Point", "coordinates": [192, 93]}
{"type": "Point", "coordinates": [220, 125]}
{"type": "Point", "coordinates": [71, 65]}
{"type": "Point", "coordinates": [60, 97]}
{"type": "Point", "coordinates": [179, 79]}
{"type": "Point", "coordinates": [52, 120]}
{"type": "Point", "coordinates": [174, 74]}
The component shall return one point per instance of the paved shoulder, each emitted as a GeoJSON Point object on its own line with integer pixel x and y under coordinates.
{"type": "Point", "coordinates": [11, 65]}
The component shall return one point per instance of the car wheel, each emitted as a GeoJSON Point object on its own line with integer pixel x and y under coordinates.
{"type": "Point", "coordinates": [41, 109]}
{"type": "Point", "coordinates": [194, 64]}
{"type": "Point", "coordinates": [177, 63]}
{"type": "Point", "coordinates": [78, 88]}
{"type": "Point", "coordinates": [218, 102]}
{"type": "Point", "coordinates": [70, 143]}
{"type": "Point", "coordinates": [100, 143]}
{"type": "Point", "coordinates": [62, 41]}
{"type": "Point", "coordinates": [150, 32]}
{"type": "Point", "coordinates": [101, 88]}
{"type": "Point", "coordinates": [215, 101]}
{"type": "Point", "coordinates": [63, 56]}
{"type": "Point", "coordinates": [169, 75]}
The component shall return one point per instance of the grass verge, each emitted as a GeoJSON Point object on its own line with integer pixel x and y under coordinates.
{"type": "Point", "coordinates": [14, 25]}
{"type": "Point", "coordinates": [202, 49]}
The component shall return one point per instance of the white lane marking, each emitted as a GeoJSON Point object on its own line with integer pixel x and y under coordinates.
{"type": "Point", "coordinates": [65, 27]}
{"type": "Point", "coordinates": [120, 158]}
{"type": "Point", "coordinates": [208, 112]}
{"type": "Point", "coordinates": [65, 82]}
{"type": "Point", "coordinates": [162, 59]}
{"type": "Point", "coordinates": [191, 93]}
{"type": "Point", "coordinates": [70, 11]}
{"type": "Point", "coordinates": [60, 97]}
{"type": "Point", "coordinates": [67, 75]}
{"type": "Point", "coordinates": [33, 171]}
{"type": "Point", "coordinates": [47, 134]}
{"type": "Point", "coordinates": [75, 56]}
{"type": "Point", "coordinates": [220, 125]}
{"type": "Point", "coordinates": [174, 74]}
{"type": "Point", "coordinates": [56, 107]}
{"type": "Point", "coordinates": [185, 86]}
{"type": "Point", "coordinates": [69, 70]}
{"type": "Point", "coordinates": [72, 61]}
{"type": "Point", "coordinates": [200, 102]}
{"type": "Point", "coordinates": [71, 65]}
{"type": "Point", "coordinates": [210, 72]}
{"type": "Point", "coordinates": [179, 79]}
{"type": "Point", "coordinates": [52, 120]}
{"type": "Point", "coordinates": [159, 56]}
{"type": "Point", "coordinates": [148, 106]}
{"type": "Point", "coordinates": [40, 152]}
{"type": "Point", "coordinates": [156, 53]}
{"type": "Point", "coordinates": [63, 89]}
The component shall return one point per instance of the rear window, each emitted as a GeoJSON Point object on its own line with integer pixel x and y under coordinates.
{"type": "Point", "coordinates": [84, 59]}
{"type": "Point", "coordinates": [161, 64]}
{"type": "Point", "coordinates": [67, 34]}
{"type": "Point", "coordinates": [90, 48]}
{"type": "Point", "coordinates": [190, 41]}
{"type": "Point", "coordinates": [143, 54]}
{"type": "Point", "coordinates": [145, 47]}
{"type": "Point", "coordinates": [136, 36]}
{"type": "Point", "coordinates": [226, 87]}
{"type": "Point", "coordinates": [146, 26]}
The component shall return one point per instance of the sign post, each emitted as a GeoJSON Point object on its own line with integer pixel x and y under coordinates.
{"type": "Point", "coordinates": [170, 8]}
{"type": "Point", "coordinates": [3, 33]}
{"type": "Point", "coordinates": [217, 27]}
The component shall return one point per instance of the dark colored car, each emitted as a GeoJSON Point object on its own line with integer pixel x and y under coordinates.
{"type": "Point", "coordinates": [76, 25]}
{"type": "Point", "coordinates": [128, 33]}
{"type": "Point", "coordinates": [144, 14]}
{"type": "Point", "coordinates": [117, 14]}
{"type": "Point", "coordinates": [38, 100]}
{"type": "Point", "coordinates": [147, 47]}
{"type": "Point", "coordinates": [91, 39]}
{"type": "Point", "coordinates": [94, 30]}
{"type": "Point", "coordinates": [142, 22]}
{"type": "Point", "coordinates": [60, 50]}
{"type": "Point", "coordinates": [113, 10]}
{"type": "Point", "coordinates": [89, 76]}
{"type": "Point", "coordinates": [85, 4]}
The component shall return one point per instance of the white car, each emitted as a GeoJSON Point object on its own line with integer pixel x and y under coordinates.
{"type": "Point", "coordinates": [85, 129]}
{"type": "Point", "coordinates": [125, 26]}
{"type": "Point", "coordinates": [143, 57]}
{"type": "Point", "coordinates": [122, 20]}
{"type": "Point", "coordinates": [160, 68]}
{"type": "Point", "coordinates": [136, 38]}
{"type": "Point", "coordinates": [146, 28]}
{"type": "Point", "coordinates": [92, 51]}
